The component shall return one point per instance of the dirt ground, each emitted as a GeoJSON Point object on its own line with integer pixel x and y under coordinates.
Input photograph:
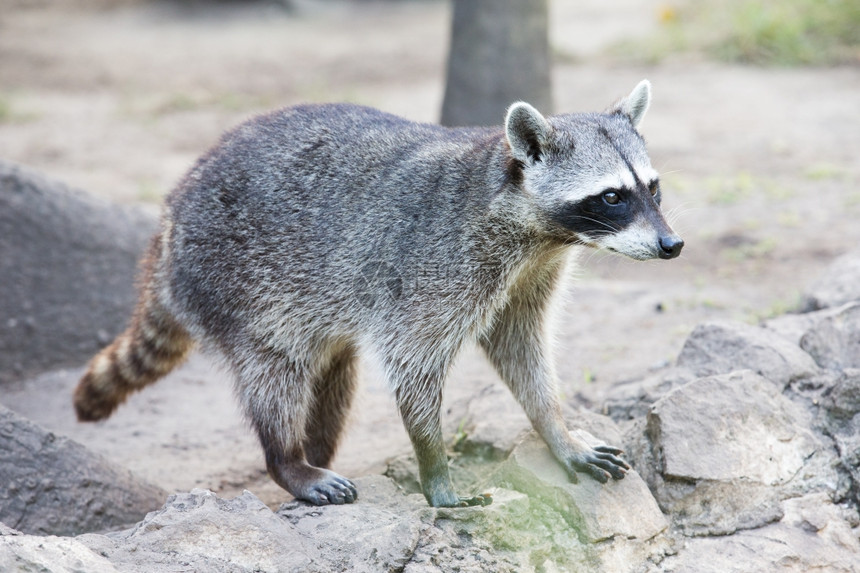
{"type": "Point", "coordinates": [760, 176]}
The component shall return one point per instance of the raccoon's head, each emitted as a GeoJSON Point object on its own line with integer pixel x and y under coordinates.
{"type": "Point", "coordinates": [590, 177]}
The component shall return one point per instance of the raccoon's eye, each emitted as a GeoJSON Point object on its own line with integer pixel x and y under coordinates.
{"type": "Point", "coordinates": [654, 188]}
{"type": "Point", "coordinates": [612, 197]}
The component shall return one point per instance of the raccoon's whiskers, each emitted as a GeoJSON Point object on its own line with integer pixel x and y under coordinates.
{"type": "Point", "coordinates": [675, 214]}
{"type": "Point", "coordinates": [610, 228]}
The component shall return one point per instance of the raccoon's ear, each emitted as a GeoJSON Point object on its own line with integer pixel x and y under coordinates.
{"type": "Point", "coordinates": [636, 104]}
{"type": "Point", "coordinates": [527, 132]}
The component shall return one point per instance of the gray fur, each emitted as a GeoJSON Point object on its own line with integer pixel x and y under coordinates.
{"type": "Point", "coordinates": [316, 232]}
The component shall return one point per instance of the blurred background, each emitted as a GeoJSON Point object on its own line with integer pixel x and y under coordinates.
{"type": "Point", "coordinates": [119, 96]}
{"type": "Point", "coordinates": [755, 122]}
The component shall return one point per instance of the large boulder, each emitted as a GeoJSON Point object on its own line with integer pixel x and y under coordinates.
{"type": "Point", "coordinates": [722, 347]}
{"type": "Point", "coordinates": [727, 450]}
{"type": "Point", "coordinates": [51, 485]}
{"type": "Point", "coordinates": [730, 427]}
{"type": "Point", "coordinates": [66, 274]}
{"type": "Point", "coordinates": [793, 326]}
{"type": "Point", "coordinates": [598, 512]}
{"type": "Point", "coordinates": [839, 284]}
{"type": "Point", "coordinates": [841, 420]}
{"type": "Point", "coordinates": [618, 524]}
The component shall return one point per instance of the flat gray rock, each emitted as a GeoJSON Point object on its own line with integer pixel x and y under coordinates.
{"type": "Point", "coordinates": [811, 536]}
{"type": "Point", "coordinates": [20, 553]}
{"type": "Point", "coordinates": [723, 347]}
{"type": "Point", "coordinates": [380, 535]}
{"type": "Point", "coordinates": [834, 341]}
{"type": "Point", "coordinates": [202, 532]}
{"type": "Point", "coordinates": [52, 485]}
{"type": "Point", "coordinates": [67, 271]}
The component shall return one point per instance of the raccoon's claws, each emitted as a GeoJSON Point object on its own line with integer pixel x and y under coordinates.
{"type": "Point", "coordinates": [336, 490]}
{"type": "Point", "coordinates": [601, 463]}
{"type": "Point", "coordinates": [481, 499]}
{"type": "Point", "coordinates": [609, 450]}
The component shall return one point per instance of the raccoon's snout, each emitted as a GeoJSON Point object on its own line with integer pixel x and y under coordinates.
{"type": "Point", "coordinates": [670, 246]}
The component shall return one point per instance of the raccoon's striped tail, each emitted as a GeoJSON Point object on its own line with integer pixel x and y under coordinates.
{"type": "Point", "coordinates": [152, 345]}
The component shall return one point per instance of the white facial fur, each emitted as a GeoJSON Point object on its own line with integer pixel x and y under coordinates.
{"type": "Point", "coordinates": [638, 240]}
{"type": "Point", "coordinates": [622, 178]}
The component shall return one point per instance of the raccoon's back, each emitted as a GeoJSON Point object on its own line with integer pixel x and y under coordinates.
{"type": "Point", "coordinates": [284, 213]}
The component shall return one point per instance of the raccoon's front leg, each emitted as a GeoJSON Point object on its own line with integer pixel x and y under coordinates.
{"type": "Point", "coordinates": [516, 347]}
{"type": "Point", "coordinates": [420, 403]}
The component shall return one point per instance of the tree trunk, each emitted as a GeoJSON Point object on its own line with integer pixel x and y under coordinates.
{"type": "Point", "coordinates": [499, 54]}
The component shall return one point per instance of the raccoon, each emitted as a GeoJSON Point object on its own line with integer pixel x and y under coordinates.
{"type": "Point", "coordinates": [318, 232]}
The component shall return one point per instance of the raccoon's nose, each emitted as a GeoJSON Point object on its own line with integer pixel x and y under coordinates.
{"type": "Point", "coordinates": [670, 246]}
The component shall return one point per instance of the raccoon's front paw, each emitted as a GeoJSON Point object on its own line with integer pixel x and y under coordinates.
{"type": "Point", "coordinates": [439, 493]}
{"type": "Point", "coordinates": [480, 499]}
{"type": "Point", "coordinates": [600, 462]}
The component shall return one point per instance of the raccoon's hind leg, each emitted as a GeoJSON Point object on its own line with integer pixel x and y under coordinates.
{"type": "Point", "coordinates": [152, 345]}
{"type": "Point", "coordinates": [277, 393]}
{"type": "Point", "coordinates": [330, 401]}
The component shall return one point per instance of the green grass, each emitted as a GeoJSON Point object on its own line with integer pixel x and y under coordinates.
{"type": "Point", "coordinates": [149, 192]}
{"type": "Point", "coordinates": [777, 308]}
{"type": "Point", "coordinates": [824, 171]}
{"type": "Point", "coordinates": [11, 113]}
{"type": "Point", "coordinates": [731, 189]}
{"type": "Point", "coordinates": [5, 110]}
{"type": "Point", "coordinates": [740, 186]}
{"type": "Point", "coordinates": [752, 251]}
{"type": "Point", "coordinates": [588, 376]}
{"type": "Point", "coordinates": [760, 32]}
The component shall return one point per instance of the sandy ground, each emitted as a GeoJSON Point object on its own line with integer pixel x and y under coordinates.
{"type": "Point", "coordinates": [760, 175]}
